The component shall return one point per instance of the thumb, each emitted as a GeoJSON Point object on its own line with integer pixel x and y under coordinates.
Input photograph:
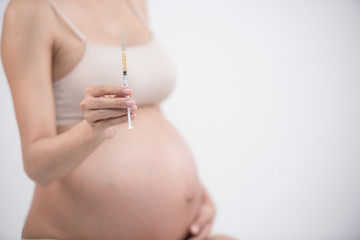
{"type": "Point", "coordinates": [194, 229]}
{"type": "Point", "coordinates": [199, 223]}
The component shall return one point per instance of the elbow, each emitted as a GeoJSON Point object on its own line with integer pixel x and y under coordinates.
{"type": "Point", "coordinates": [36, 174]}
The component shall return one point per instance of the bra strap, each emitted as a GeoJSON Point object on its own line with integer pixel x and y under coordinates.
{"type": "Point", "coordinates": [67, 21]}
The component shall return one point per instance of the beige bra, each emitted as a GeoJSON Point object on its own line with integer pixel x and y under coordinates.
{"type": "Point", "coordinates": [152, 74]}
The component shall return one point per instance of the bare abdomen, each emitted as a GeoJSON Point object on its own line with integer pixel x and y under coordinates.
{"type": "Point", "coordinates": [141, 184]}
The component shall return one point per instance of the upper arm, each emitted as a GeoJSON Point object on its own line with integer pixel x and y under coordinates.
{"type": "Point", "coordinates": [26, 51]}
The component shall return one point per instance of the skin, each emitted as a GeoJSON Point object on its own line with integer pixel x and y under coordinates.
{"type": "Point", "coordinates": [37, 50]}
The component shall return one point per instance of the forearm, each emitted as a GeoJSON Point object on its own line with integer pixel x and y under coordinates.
{"type": "Point", "coordinates": [48, 159]}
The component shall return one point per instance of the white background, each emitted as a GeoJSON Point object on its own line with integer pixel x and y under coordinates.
{"type": "Point", "coordinates": [268, 99]}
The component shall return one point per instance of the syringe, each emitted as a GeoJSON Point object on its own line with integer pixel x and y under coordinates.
{"type": "Point", "coordinates": [125, 76]}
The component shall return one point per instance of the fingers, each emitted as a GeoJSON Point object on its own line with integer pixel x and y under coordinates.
{"type": "Point", "coordinates": [105, 106]}
{"type": "Point", "coordinates": [92, 103]}
{"type": "Point", "coordinates": [114, 121]}
{"type": "Point", "coordinates": [203, 233]}
{"type": "Point", "coordinates": [100, 108]}
{"type": "Point", "coordinates": [205, 217]}
{"type": "Point", "coordinates": [107, 89]}
{"type": "Point", "coordinates": [104, 127]}
{"type": "Point", "coordinates": [103, 114]}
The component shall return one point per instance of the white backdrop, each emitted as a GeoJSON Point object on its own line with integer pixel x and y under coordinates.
{"type": "Point", "coordinates": [268, 100]}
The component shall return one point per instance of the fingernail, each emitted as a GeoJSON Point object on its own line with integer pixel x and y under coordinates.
{"type": "Point", "coordinates": [127, 90]}
{"type": "Point", "coordinates": [129, 103]}
{"type": "Point", "coordinates": [194, 229]}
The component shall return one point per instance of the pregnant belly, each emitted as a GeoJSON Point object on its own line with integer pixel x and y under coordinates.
{"type": "Point", "coordinates": [141, 184]}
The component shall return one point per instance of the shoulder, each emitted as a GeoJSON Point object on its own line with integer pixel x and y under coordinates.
{"type": "Point", "coordinates": [27, 9]}
{"type": "Point", "coordinates": [27, 14]}
{"type": "Point", "coordinates": [28, 22]}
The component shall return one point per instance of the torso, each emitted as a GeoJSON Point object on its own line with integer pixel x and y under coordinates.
{"type": "Point", "coordinates": [141, 184]}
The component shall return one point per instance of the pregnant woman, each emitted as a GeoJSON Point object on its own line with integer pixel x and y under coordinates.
{"type": "Point", "coordinates": [95, 179]}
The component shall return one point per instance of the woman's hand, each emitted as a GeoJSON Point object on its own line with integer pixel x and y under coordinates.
{"type": "Point", "coordinates": [201, 227]}
{"type": "Point", "coordinates": [105, 106]}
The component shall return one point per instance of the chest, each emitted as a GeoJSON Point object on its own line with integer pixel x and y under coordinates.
{"type": "Point", "coordinates": [151, 71]}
